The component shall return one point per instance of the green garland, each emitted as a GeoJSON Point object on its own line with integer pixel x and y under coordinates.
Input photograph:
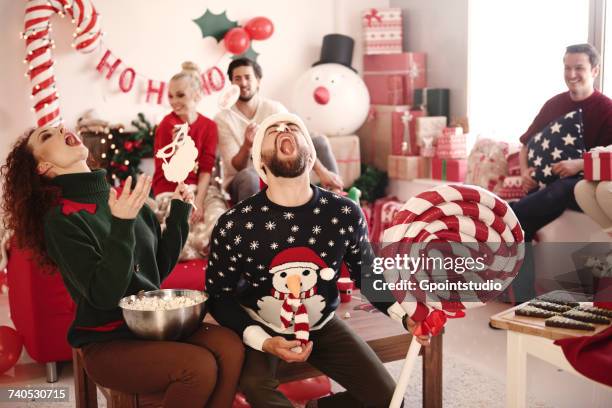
{"type": "Point", "coordinates": [372, 183]}
{"type": "Point", "coordinates": [127, 149]}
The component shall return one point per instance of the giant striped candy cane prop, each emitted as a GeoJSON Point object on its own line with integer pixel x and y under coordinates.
{"type": "Point", "coordinates": [453, 220]}
{"type": "Point", "coordinates": [37, 29]}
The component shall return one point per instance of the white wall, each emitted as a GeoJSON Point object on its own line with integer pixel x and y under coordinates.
{"type": "Point", "coordinates": [440, 28]}
{"type": "Point", "coordinates": [154, 39]}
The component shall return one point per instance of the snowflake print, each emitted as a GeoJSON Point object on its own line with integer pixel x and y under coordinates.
{"type": "Point", "coordinates": [249, 259]}
{"type": "Point", "coordinates": [247, 209]}
{"type": "Point", "coordinates": [312, 241]}
{"type": "Point", "coordinates": [346, 209]}
{"type": "Point", "coordinates": [288, 215]}
{"type": "Point", "coordinates": [233, 259]}
{"type": "Point", "coordinates": [265, 208]}
{"type": "Point", "coordinates": [350, 228]}
{"type": "Point", "coordinates": [221, 274]}
{"type": "Point", "coordinates": [249, 225]}
{"type": "Point", "coordinates": [323, 254]}
{"type": "Point", "coordinates": [254, 245]}
{"type": "Point", "coordinates": [323, 200]}
{"type": "Point", "coordinates": [263, 278]}
{"type": "Point", "coordinates": [222, 232]}
{"type": "Point", "coordinates": [316, 229]}
{"type": "Point", "coordinates": [295, 228]}
{"type": "Point", "coordinates": [237, 239]}
{"type": "Point", "coordinates": [227, 289]}
{"type": "Point", "coordinates": [239, 255]}
{"type": "Point", "coordinates": [216, 241]}
{"type": "Point", "coordinates": [270, 225]}
{"type": "Point", "coordinates": [230, 212]}
{"type": "Point", "coordinates": [273, 245]}
{"type": "Point", "coordinates": [346, 243]}
{"type": "Point", "coordinates": [355, 251]}
{"type": "Point", "coordinates": [330, 243]}
{"type": "Point", "coordinates": [254, 284]}
{"type": "Point", "coordinates": [261, 267]}
{"type": "Point", "coordinates": [228, 247]}
{"type": "Point", "coordinates": [334, 220]}
{"type": "Point", "coordinates": [231, 268]}
{"type": "Point", "coordinates": [214, 254]}
{"type": "Point", "coordinates": [248, 274]}
{"type": "Point", "coordinates": [316, 211]}
{"type": "Point", "coordinates": [210, 281]}
{"type": "Point", "coordinates": [290, 239]}
{"type": "Point", "coordinates": [229, 224]}
{"type": "Point", "coordinates": [342, 231]}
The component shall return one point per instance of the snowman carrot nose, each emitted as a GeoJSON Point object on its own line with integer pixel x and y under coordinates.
{"type": "Point", "coordinates": [321, 95]}
{"type": "Point", "coordinates": [293, 283]}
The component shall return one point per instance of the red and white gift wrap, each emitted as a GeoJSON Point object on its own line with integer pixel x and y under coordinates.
{"type": "Point", "coordinates": [448, 169]}
{"type": "Point", "coordinates": [382, 215]}
{"type": "Point", "coordinates": [382, 31]}
{"type": "Point", "coordinates": [514, 166]}
{"type": "Point", "coordinates": [376, 134]}
{"type": "Point", "coordinates": [428, 129]}
{"type": "Point", "coordinates": [512, 188]}
{"type": "Point", "coordinates": [348, 156]}
{"type": "Point", "coordinates": [408, 167]}
{"type": "Point", "coordinates": [451, 144]}
{"type": "Point", "coordinates": [487, 164]}
{"type": "Point", "coordinates": [37, 28]}
{"type": "Point", "coordinates": [403, 136]}
{"type": "Point", "coordinates": [345, 287]}
{"type": "Point", "coordinates": [391, 79]}
{"type": "Point", "coordinates": [598, 164]}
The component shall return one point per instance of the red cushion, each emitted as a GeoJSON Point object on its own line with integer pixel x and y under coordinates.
{"type": "Point", "coordinates": [187, 275]}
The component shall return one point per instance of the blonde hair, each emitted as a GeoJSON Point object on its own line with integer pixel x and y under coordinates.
{"type": "Point", "coordinates": [191, 71]}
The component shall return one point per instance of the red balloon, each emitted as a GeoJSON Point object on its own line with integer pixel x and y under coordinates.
{"type": "Point", "coordinates": [306, 390]}
{"type": "Point", "coordinates": [237, 40]}
{"type": "Point", "coordinates": [259, 28]}
{"type": "Point", "coordinates": [10, 347]}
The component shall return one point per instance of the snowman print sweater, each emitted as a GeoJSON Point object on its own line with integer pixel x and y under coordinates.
{"type": "Point", "coordinates": [277, 266]}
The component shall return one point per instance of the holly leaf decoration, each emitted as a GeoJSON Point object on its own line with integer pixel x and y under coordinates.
{"type": "Point", "coordinates": [250, 54]}
{"type": "Point", "coordinates": [214, 25]}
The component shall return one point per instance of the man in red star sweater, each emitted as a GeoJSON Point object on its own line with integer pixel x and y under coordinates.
{"type": "Point", "coordinates": [272, 274]}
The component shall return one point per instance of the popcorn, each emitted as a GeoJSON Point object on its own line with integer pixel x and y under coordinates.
{"type": "Point", "coordinates": [160, 304]}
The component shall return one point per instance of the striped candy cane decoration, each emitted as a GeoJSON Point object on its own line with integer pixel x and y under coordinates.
{"type": "Point", "coordinates": [37, 29]}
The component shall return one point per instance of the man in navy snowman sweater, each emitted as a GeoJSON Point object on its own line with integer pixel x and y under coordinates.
{"type": "Point", "coordinates": [273, 269]}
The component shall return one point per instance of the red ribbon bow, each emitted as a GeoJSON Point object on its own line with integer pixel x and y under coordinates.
{"type": "Point", "coordinates": [432, 324]}
{"type": "Point", "coordinates": [373, 15]}
{"type": "Point", "coordinates": [69, 207]}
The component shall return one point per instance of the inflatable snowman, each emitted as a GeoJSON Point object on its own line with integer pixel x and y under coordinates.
{"type": "Point", "coordinates": [330, 97]}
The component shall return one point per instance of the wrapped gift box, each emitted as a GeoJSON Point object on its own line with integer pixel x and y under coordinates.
{"type": "Point", "coordinates": [487, 164]}
{"type": "Point", "coordinates": [451, 144]}
{"type": "Point", "coordinates": [382, 31]}
{"type": "Point", "coordinates": [511, 188]}
{"type": "Point", "coordinates": [514, 166]}
{"type": "Point", "coordinates": [408, 167]}
{"type": "Point", "coordinates": [435, 101]}
{"type": "Point", "coordinates": [347, 154]}
{"type": "Point", "coordinates": [403, 137]}
{"type": "Point", "coordinates": [382, 216]}
{"type": "Point", "coordinates": [598, 164]}
{"type": "Point", "coordinates": [375, 135]}
{"type": "Point", "coordinates": [448, 169]}
{"type": "Point", "coordinates": [391, 79]}
{"type": "Point", "coordinates": [428, 129]}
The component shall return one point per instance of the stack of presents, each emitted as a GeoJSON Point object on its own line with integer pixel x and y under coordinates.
{"type": "Point", "coordinates": [409, 132]}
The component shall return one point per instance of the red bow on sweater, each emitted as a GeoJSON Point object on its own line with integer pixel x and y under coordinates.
{"type": "Point", "coordinates": [69, 207]}
{"type": "Point", "coordinates": [294, 309]}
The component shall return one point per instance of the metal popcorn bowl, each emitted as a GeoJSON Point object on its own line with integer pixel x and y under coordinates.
{"type": "Point", "coordinates": [173, 324]}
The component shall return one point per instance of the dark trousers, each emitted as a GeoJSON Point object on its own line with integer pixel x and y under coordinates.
{"type": "Point", "coordinates": [534, 211]}
{"type": "Point", "coordinates": [201, 371]}
{"type": "Point", "coordinates": [340, 354]}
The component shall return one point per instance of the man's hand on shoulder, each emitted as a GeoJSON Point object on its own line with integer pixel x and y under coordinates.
{"type": "Point", "coordinates": [282, 349]}
{"type": "Point", "coordinates": [568, 168]}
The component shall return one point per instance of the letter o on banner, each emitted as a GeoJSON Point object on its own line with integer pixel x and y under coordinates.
{"type": "Point", "coordinates": [126, 80]}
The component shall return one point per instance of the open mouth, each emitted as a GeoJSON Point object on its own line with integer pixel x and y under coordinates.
{"type": "Point", "coordinates": [286, 144]}
{"type": "Point", "coordinates": [71, 140]}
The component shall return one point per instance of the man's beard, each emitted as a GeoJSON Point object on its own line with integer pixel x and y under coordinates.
{"type": "Point", "coordinates": [290, 168]}
{"type": "Point", "coordinates": [248, 97]}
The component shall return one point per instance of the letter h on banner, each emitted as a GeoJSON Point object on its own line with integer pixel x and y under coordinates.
{"type": "Point", "coordinates": [155, 89]}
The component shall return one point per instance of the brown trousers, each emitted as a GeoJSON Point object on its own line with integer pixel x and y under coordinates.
{"type": "Point", "coordinates": [201, 371]}
{"type": "Point", "coordinates": [337, 352]}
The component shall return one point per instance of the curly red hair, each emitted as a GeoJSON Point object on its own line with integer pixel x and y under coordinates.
{"type": "Point", "coordinates": [27, 198]}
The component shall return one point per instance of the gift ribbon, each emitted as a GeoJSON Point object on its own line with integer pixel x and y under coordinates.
{"type": "Point", "coordinates": [406, 145]}
{"type": "Point", "coordinates": [434, 322]}
{"type": "Point", "coordinates": [373, 15]}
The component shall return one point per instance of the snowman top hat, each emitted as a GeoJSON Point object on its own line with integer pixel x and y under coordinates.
{"type": "Point", "coordinates": [337, 49]}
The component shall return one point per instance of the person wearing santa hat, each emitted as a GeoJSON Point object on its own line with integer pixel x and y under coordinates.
{"type": "Point", "coordinates": [272, 274]}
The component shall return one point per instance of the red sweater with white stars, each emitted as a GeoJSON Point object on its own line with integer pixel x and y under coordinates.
{"type": "Point", "coordinates": [258, 248]}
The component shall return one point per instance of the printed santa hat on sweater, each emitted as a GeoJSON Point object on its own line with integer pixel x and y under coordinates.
{"type": "Point", "coordinates": [301, 257]}
{"type": "Point", "coordinates": [278, 119]}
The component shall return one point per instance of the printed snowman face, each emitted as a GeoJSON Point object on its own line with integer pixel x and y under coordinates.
{"type": "Point", "coordinates": [307, 278]}
{"type": "Point", "coordinates": [331, 99]}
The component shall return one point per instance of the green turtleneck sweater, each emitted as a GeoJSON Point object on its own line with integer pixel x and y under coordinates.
{"type": "Point", "coordinates": [103, 258]}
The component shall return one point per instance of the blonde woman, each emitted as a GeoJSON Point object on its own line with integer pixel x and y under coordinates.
{"type": "Point", "coordinates": [184, 94]}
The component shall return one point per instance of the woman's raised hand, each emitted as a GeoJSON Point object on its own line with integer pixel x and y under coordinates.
{"type": "Point", "coordinates": [129, 202]}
